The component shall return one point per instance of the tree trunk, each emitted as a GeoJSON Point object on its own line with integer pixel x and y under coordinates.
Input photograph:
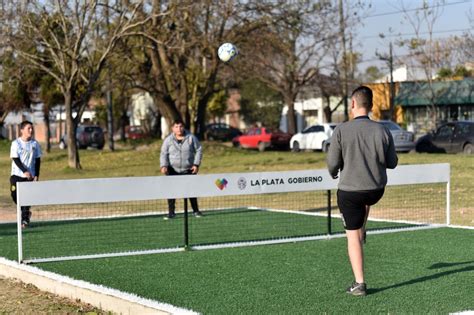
{"type": "Point", "coordinates": [72, 149]}
{"type": "Point", "coordinates": [200, 121]}
{"type": "Point", "coordinates": [290, 116]}
{"type": "Point", "coordinates": [48, 131]}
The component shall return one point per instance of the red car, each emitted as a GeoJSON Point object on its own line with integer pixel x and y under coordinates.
{"type": "Point", "coordinates": [135, 133]}
{"type": "Point", "coordinates": [262, 138]}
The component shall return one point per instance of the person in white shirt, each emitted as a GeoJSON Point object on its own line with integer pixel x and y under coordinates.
{"type": "Point", "coordinates": [25, 153]}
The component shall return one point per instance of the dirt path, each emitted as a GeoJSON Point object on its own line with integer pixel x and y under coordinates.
{"type": "Point", "coordinates": [8, 215]}
{"type": "Point", "coordinates": [20, 298]}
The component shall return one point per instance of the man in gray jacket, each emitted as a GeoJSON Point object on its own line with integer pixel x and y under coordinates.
{"type": "Point", "coordinates": [361, 151]}
{"type": "Point", "coordinates": [181, 154]}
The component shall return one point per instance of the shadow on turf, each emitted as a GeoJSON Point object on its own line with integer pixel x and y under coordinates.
{"type": "Point", "coordinates": [427, 278]}
{"type": "Point", "coordinates": [444, 265]}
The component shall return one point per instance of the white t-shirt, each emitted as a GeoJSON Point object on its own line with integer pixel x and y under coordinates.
{"type": "Point", "coordinates": [28, 152]}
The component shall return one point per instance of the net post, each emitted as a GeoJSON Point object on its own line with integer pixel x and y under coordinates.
{"type": "Point", "coordinates": [18, 224]}
{"type": "Point", "coordinates": [448, 202]}
{"type": "Point", "coordinates": [186, 229]}
{"type": "Point", "coordinates": [329, 212]}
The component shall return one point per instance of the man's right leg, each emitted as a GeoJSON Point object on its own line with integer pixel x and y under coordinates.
{"type": "Point", "coordinates": [356, 254]}
{"type": "Point", "coordinates": [171, 202]}
{"type": "Point", "coordinates": [25, 215]}
{"type": "Point", "coordinates": [25, 210]}
{"type": "Point", "coordinates": [356, 258]}
{"type": "Point", "coordinates": [171, 209]}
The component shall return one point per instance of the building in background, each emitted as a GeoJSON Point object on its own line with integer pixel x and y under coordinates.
{"type": "Point", "coordinates": [311, 112]}
{"type": "Point", "coordinates": [426, 105]}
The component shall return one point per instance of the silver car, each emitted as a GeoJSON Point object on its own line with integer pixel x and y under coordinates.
{"type": "Point", "coordinates": [404, 140]}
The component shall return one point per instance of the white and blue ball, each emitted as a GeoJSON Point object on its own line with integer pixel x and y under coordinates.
{"type": "Point", "coordinates": [227, 52]}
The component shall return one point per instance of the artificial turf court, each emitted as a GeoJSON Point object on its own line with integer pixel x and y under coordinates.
{"type": "Point", "coordinates": [406, 272]}
{"type": "Point", "coordinates": [420, 272]}
{"type": "Point", "coordinates": [46, 239]}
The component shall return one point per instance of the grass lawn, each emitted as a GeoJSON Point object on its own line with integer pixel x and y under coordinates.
{"type": "Point", "coordinates": [218, 158]}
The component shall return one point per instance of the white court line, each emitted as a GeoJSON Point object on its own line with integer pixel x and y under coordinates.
{"type": "Point", "coordinates": [461, 227]}
{"type": "Point", "coordinates": [108, 255]}
{"type": "Point", "coordinates": [338, 216]}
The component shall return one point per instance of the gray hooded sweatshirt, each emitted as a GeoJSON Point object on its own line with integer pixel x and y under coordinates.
{"type": "Point", "coordinates": [181, 156]}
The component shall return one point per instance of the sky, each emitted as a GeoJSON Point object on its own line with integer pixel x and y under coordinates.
{"type": "Point", "coordinates": [457, 17]}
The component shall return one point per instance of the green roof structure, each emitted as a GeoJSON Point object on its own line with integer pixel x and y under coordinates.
{"type": "Point", "coordinates": [459, 92]}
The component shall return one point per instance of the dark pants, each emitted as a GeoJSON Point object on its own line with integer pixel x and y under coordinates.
{"type": "Point", "coordinates": [25, 210]}
{"type": "Point", "coordinates": [172, 202]}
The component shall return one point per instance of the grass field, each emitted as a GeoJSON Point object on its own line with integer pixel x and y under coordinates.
{"type": "Point", "coordinates": [218, 158]}
{"type": "Point", "coordinates": [426, 271]}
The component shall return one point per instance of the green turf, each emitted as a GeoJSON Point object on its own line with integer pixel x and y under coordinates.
{"type": "Point", "coordinates": [420, 272]}
{"type": "Point", "coordinates": [114, 235]}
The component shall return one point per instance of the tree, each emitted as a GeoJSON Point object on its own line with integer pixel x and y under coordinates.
{"type": "Point", "coordinates": [287, 54]}
{"type": "Point", "coordinates": [14, 94]}
{"type": "Point", "coordinates": [176, 56]}
{"type": "Point", "coordinates": [15, 86]}
{"type": "Point", "coordinates": [260, 104]}
{"type": "Point", "coordinates": [50, 96]}
{"type": "Point", "coordinates": [217, 105]}
{"type": "Point", "coordinates": [372, 73]}
{"type": "Point", "coordinates": [424, 51]}
{"type": "Point", "coordinates": [74, 46]}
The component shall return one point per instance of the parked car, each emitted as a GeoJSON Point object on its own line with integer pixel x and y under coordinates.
{"type": "Point", "coordinates": [453, 137]}
{"type": "Point", "coordinates": [86, 136]}
{"type": "Point", "coordinates": [262, 138]}
{"type": "Point", "coordinates": [403, 139]}
{"type": "Point", "coordinates": [221, 132]}
{"type": "Point", "coordinates": [135, 133]}
{"type": "Point", "coordinates": [312, 138]}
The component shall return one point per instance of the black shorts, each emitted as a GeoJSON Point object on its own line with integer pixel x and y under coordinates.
{"type": "Point", "coordinates": [352, 206]}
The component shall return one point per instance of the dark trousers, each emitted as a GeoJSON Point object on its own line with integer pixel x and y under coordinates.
{"type": "Point", "coordinates": [25, 210]}
{"type": "Point", "coordinates": [172, 202]}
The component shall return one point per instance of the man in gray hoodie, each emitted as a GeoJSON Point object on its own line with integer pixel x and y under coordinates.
{"type": "Point", "coordinates": [361, 151]}
{"type": "Point", "coordinates": [181, 154]}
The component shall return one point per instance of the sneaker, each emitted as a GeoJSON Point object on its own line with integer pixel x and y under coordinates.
{"type": "Point", "coordinates": [197, 214]}
{"type": "Point", "coordinates": [357, 289]}
{"type": "Point", "coordinates": [169, 216]}
{"type": "Point", "coordinates": [24, 224]}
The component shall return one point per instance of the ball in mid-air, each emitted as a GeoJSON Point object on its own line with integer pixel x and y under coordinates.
{"type": "Point", "coordinates": [227, 52]}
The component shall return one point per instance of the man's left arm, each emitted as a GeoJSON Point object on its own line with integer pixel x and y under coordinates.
{"type": "Point", "coordinates": [37, 161]}
{"type": "Point", "coordinates": [197, 155]}
{"type": "Point", "coordinates": [37, 169]}
{"type": "Point", "coordinates": [391, 158]}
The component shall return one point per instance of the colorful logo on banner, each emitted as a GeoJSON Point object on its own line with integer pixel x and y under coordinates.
{"type": "Point", "coordinates": [221, 183]}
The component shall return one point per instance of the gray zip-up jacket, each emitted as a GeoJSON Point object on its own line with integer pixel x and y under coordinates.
{"type": "Point", "coordinates": [362, 150]}
{"type": "Point", "coordinates": [181, 156]}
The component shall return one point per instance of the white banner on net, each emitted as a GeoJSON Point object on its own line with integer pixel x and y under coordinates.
{"type": "Point", "coordinates": [211, 185]}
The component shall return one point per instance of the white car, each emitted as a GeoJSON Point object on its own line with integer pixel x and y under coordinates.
{"type": "Point", "coordinates": [312, 138]}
